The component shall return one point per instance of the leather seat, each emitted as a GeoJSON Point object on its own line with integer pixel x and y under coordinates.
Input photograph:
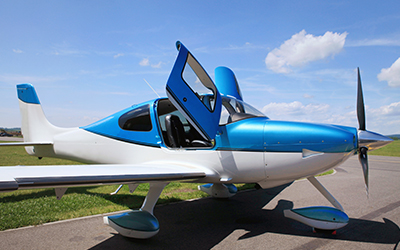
{"type": "Point", "coordinates": [176, 135]}
{"type": "Point", "coordinates": [175, 132]}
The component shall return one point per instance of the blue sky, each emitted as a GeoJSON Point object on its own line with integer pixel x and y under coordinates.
{"type": "Point", "coordinates": [294, 60]}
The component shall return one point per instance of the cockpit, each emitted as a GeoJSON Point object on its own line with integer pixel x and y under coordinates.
{"type": "Point", "coordinates": [178, 132]}
{"type": "Point", "coordinates": [195, 112]}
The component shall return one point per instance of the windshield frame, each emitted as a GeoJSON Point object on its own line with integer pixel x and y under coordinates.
{"type": "Point", "coordinates": [236, 110]}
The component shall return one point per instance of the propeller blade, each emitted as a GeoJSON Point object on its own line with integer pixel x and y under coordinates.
{"type": "Point", "coordinates": [363, 158]}
{"type": "Point", "coordinates": [360, 103]}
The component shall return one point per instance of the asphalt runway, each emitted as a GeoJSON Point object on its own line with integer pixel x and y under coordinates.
{"type": "Point", "coordinates": [11, 139]}
{"type": "Point", "coordinates": [250, 220]}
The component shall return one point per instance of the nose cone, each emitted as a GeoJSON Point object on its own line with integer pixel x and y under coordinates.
{"type": "Point", "coordinates": [372, 140]}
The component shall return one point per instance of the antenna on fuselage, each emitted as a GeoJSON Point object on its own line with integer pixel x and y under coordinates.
{"type": "Point", "coordinates": [152, 88]}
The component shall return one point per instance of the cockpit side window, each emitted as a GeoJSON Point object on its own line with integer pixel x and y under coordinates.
{"type": "Point", "coordinates": [137, 119]}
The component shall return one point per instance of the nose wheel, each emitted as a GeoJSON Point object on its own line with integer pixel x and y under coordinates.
{"type": "Point", "coordinates": [320, 218]}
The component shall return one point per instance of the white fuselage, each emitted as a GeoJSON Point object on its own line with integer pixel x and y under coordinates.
{"type": "Point", "coordinates": [269, 169]}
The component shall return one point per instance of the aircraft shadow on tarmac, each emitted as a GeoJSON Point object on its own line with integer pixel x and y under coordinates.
{"type": "Point", "coordinates": [202, 224]}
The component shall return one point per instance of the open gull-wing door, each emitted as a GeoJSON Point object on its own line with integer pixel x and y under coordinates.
{"type": "Point", "coordinates": [194, 94]}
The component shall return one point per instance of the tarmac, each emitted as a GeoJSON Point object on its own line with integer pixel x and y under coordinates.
{"type": "Point", "coordinates": [6, 138]}
{"type": "Point", "coordinates": [249, 220]}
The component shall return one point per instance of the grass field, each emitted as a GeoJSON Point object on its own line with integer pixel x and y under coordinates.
{"type": "Point", "coordinates": [38, 206]}
{"type": "Point", "coordinates": [393, 149]}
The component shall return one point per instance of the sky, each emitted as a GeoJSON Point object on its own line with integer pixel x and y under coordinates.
{"type": "Point", "coordinates": [294, 60]}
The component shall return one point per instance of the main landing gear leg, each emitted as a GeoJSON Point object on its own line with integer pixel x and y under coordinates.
{"type": "Point", "coordinates": [140, 224]}
{"type": "Point", "coordinates": [319, 217]}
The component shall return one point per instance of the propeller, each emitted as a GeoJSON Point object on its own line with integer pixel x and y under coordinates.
{"type": "Point", "coordinates": [363, 158]}
{"type": "Point", "coordinates": [362, 151]}
{"type": "Point", "coordinates": [360, 103]}
{"type": "Point", "coordinates": [367, 140]}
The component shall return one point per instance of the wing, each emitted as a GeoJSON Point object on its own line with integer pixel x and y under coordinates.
{"type": "Point", "coordinates": [27, 177]}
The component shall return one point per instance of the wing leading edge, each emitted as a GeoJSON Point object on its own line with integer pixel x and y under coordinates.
{"type": "Point", "coordinates": [27, 177]}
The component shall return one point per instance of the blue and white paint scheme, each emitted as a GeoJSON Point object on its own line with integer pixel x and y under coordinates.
{"type": "Point", "coordinates": [201, 132]}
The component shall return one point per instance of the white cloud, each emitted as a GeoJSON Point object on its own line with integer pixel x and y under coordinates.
{"type": "Point", "coordinates": [157, 66]}
{"type": "Point", "coordinates": [144, 62]}
{"type": "Point", "coordinates": [245, 47]}
{"type": "Point", "coordinates": [384, 120]}
{"type": "Point", "coordinates": [313, 112]}
{"type": "Point", "coordinates": [18, 51]}
{"type": "Point", "coordinates": [303, 48]}
{"type": "Point", "coordinates": [296, 108]}
{"type": "Point", "coordinates": [119, 55]}
{"type": "Point", "coordinates": [391, 75]}
{"type": "Point", "coordinates": [387, 110]}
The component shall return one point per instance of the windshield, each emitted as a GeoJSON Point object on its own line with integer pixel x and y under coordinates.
{"type": "Point", "coordinates": [235, 110]}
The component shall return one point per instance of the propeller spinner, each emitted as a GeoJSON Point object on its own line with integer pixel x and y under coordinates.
{"type": "Point", "coordinates": [366, 140]}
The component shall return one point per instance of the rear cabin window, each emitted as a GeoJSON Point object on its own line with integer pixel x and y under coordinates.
{"type": "Point", "coordinates": [137, 119]}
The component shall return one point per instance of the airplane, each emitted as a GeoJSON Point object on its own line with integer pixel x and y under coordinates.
{"type": "Point", "coordinates": [202, 132]}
